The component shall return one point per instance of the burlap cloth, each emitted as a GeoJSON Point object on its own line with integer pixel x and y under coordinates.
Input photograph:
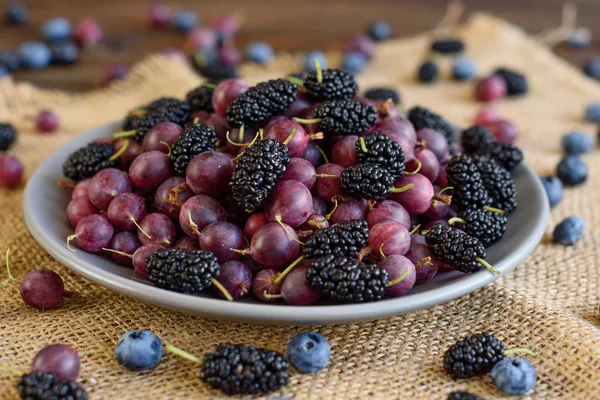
{"type": "Point", "coordinates": [549, 304]}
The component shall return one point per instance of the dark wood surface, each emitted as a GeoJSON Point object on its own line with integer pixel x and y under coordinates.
{"type": "Point", "coordinates": [289, 25]}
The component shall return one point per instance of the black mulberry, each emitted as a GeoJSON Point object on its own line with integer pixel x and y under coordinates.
{"type": "Point", "coordinates": [175, 110]}
{"type": "Point", "coordinates": [485, 225]}
{"type": "Point", "coordinates": [448, 46]}
{"type": "Point", "coordinates": [347, 280]}
{"type": "Point", "coordinates": [380, 150]}
{"type": "Point", "coordinates": [215, 71]}
{"type": "Point", "coordinates": [499, 184]}
{"type": "Point", "coordinates": [473, 356]}
{"type": "Point", "coordinates": [148, 121]}
{"type": "Point", "coordinates": [200, 98]}
{"type": "Point", "coordinates": [383, 94]}
{"type": "Point", "coordinates": [344, 117]}
{"type": "Point", "coordinates": [46, 386]}
{"type": "Point", "coordinates": [8, 134]}
{"type": "Point", "coordinates": [463, 396]}
{"type": "Point", "coordinates": [256, 172]}
{"type": "Point", "coordinates": [507, 155]}
{"type": "Point", "coordinates": [195, 139]}
{"type": "Point", "coordinates": [335, 84]}
{"type": "Point", "coordinates": [428, 72]}
{"type": "Point", "coordinates": [423, 118]}
{"type": "Point", "coordinates": [261, 102]}
{"type": "Point", "coordinates": [238, 369]}
{"type": "Point", "coordinates": [367, 181]}
{"type": "Point", "coordinates": [85, 162]}
{"type": "Point", "coordinates": [456, 248]}
{"type": "Point", "coordinates": [516, 83]}
{"type": "Point", "coordinates": [182, 270]}
{"type": "Point", "coordinates": [468, 190]}
{"type": "Point", "coordinates": [344, 239]}
{"type": "Point", "coordinates": [477, 140]}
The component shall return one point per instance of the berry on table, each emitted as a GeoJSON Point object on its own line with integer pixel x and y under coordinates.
{"type": "Point", "coordinates": [361, 44]}
{"type": "Point", "coordinates": [229, 56]}
{"type": "Point", "coordinates": [592, 68]}
{"type": "Point", "coordinates": [490, 88]}
{"type": "Point", "coordinates": [463, 69]}
{"type": "Point", "coordinates": [329, 84]}
{"type": "Point", "coordinates": [47, 121]}
{"type": "Point", "coordinates": [11, 60]}
{"type": "Point", "coordinates": [115, 72]}
{"type": "Point", "coordinates": [311, 57]}
{"type": "Point", "coordinates": [11, 171]}
{"type": "Point", "coordinates": [308, 352]}
{"type": "Point", "coordinates": [473, 356]}
{"type": "Point", "coordinates": [577, 143]}
{"type": "Point", "coordinates": [58, 359]}
{"type": "Point", "coordinates": [138, 350]}
{"type": "Point", "coordinates": [462, 395]}
{"type": "Point", "coordinates": [259, 52]}
{"type": "Point", "coordinates": [383, 94]}
{"type": "Point", "coordinates": [592, 112]}
{"type": "Point", "coordinates": [380, 30]}
{"type": "Point", "coordinates": [554, 189]}
{"type": "Point", "coordinates": [85, 162]}
{"type": "Point", "coordinates": [354, 62]}
{"type": "Point", "coordinates": [580, 38]}
{"type": "Point", "coordinates": [88, 32]}
{"type": "Point", "coordinates": [514, 376]}
{"type": "Point", "coordinates": [569, 231]}
{"type": "Point", "coordinates": [572, 171]}
{"type": "Point", "coordinates": [185, 20]}
{"type": "Point", "coordinates": [16, 13]}
{"type": "Point", "coordinates": [42, 385]}
{"type": "Point", "coordinates": [428, 72]}
{"type": "Point", "coordinates": [56, 29]}
{"type": "Point", "coordinates": [64, 52]}
{"type": "Point", "coordinates": [35, 55]}
{"type": "Point", "coordinates": [42, 289]}
{"type": "Point", "coordinates": [516, 83]}
{"type": "Point", "coordinates": [447, 46]}
{"type": "Point", "coordinates": [159, 15]}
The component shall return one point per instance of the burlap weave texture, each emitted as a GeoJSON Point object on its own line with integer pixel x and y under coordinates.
{"type": "Point", "coordinates": [549, 304]}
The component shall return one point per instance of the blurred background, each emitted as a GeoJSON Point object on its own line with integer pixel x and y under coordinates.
{"type": "Point", "coordinates": [121, 32]}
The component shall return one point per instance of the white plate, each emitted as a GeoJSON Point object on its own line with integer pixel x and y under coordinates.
{"type": "Point", "coordinates": [45, 206]}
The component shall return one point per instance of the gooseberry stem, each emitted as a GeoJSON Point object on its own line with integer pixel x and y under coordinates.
{"type": "Point", "coordinates": [10, 369]}
{"type": "Point", "coordinates": [122, 150]}
{"type": "Point", "coordinates": [322, 154]}
{"type": "Point", "coordinates": [132, 219]}
{"type": "Point", "coordinates": [222, 289]}
{"type": "Point", "coordinates": [286, 271]}
{"type": "Point", "coordinates": [403, 188]}
{"type": "Point", "coordinates": [10, 278]}
{"type": "Point", "coordinates": [519, 350]}
{"type": "Point", "coordinates": [124, 134]}
{"type": "Point", "coordinates": [295, 81]}
{"type": "Point", "coordinates": [399, 279]}
{"type": "Point", "coordinates": [121, 253]}
{"type": "Point", "coordinates": [304, 121]}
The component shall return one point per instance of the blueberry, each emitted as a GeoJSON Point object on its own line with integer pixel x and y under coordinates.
{"type": "Point", "coordinates": [572, 171]}
{"type": "Point", "coordinates": [514, 376]}
{"type": "Point", "coordinates": [17, 13]}
{"type": "Point", "coordinates": [34, 55]}
{"type": "Point", "coordinates": [380, 30]}
{"type": "Point", "coordinates": [592, 112]}
{"type": "Point", "coordinates": [463, 68]}
{"type": "Point", "coordinates": [554, 189]}
{"type": "Point", "coordinates": [309, 65]}
{"type": "Point", "coordinates": [3, 71]}
{"type": "Point", "coordinates": [138, 350]}
{"type": "Point", "coordinates": [569, 231]}
{"type": "Point", "coordinates": [56, 29]}
{"type": "Point", "coordinates": [577, 143]}
{"type": "Point", "coordinates": [259, 52]}
{"type": "Point", "coordinates": [64, 53]}
{"type": "Point", "coordinates": [354, 62]}
{"type": "Point", "coordinates": [580, 38]}
{"type": "Point", "coordinates": [308, 352]}
{"type": "Point", "coordinates": [10, 60]}
{"type": "Point", "coordinates": [592, 68]}
{"type": "Point", "coordinates": [185, 20]}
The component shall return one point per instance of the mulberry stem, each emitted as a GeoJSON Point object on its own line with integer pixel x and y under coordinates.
{"type": "Point", "coordinates": [318, 70]}
{"type": "Point", "coordinates": [121, 253]}
{"type": "Point", "coordinates": [221, 289]}
{"type": "Point", "coordinates": [519, 350]}
{"type": "Point", "coordinates": [303, 121]}
{"type": "Point", "coordinates": [183, 354]}
{"type": "Point", "coordinates": [325, 176]}
{"type": "Point", "coordinates": [454, 220]}
{"type": "Point", "coordinates": [363, 145]}
{"type": "Point", "coordinates": [289, 269]}
{"type": "Point", "coordinates": [295, 81]}
{"type": "Point", "coordinates": [124, 134]}
{"type": "Point", "coordinates": [487, 265]}
{"type": "Point", "coordinates": [447, 200]}
{"type": "Point", "coordinates": [494, 210]}
{"type": "Point", "coordinates": [10, 277]}
{"type": "Point", "coordinates": [403, 188]}
{"type": "Point", "coordinates": [399, 279]}
{"type": "Point", "coordinates": [208, 85]}
{"type": "Point", "coordinates": [122, 150]}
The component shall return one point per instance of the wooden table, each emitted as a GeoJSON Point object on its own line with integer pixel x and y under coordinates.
{"type": "Point", "coordinates": [289, 25]}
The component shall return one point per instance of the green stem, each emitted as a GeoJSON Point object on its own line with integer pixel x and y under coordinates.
{"type": "Point", "coordinates": [304, 121]}
{"type": "Point", "coordinates": [69, 239]}
{"type": "Point", "coordinates": [403, 188]}
{"type": "Point", "coordinates": [318, 70]}
{"type": "Point", "coordinates": [124, 134]}
{"type": "Point", "coordinates": [322, 154]}
{"type": "Point", "coordinates": [286, 271]}
{"type": "Point", "coordinates": [399, 279]}
{"type": "Point", "coordinates": [183, 354]}
{"type": "Point", "coordinates": [241, 134]}
{"type": "Point", "coordinates": [519, 350]}
{"type": "Point", "coordinates": [222, 289]}
{"type": "Point", "coordinates": [494, 210]}
{"type": "Point", "coordinates": [488, 266]}
{"type": "Point", "coordinates": [290, 137]}
{"type": "Point", "coordinates": [271, 296]}
{"type": "Point", "coordinates": [121, 253]}
{"type": "Point", "coordinates": [419, 165]}
{"type": "Point", "coordinates": [363, 145]}
{"type": "Point", "coordinates": [454, 220]}
{"type": "Point", "coordinates": [10, 278]}
{"type": "Point", "coordinates": [280, 222]}
{"type": "Point", "coordinates": [122, 150]}
{"type": "Point", "coordinates": [10, 369]}
{"type": "Point", "coordinates": [335, 206]}
{"type": "Point", "coordinates": [296, 81]}
{"type": "Point", "coordinates": [168, 147]}
{"type": "Point", "coordinates": [325, 176]}
{"type": "Point", "coordinates": [415, 229]}
{"type": "Point", "coordinates": [132, 219]}
{"type": "Point", "coordinates": [209, 85]}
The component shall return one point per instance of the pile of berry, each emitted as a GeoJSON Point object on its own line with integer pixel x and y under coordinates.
{"type": "Point", "coordinates": [292, 191]}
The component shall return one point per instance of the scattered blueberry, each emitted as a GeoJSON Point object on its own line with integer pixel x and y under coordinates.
{"type": "Point", "coordinates": [592, 112]}
{"type": "Point", "coordinates": [569, 231]}
{"type": "Point", "coordinates": [34, 55]}
{"type": "Point", "coordinates": [554, 189]}
{"type": "Point", "coordinates": [10, 60]}
{"type": "Point", "coordinates": [308, 352]}
{"type": "Point", "coordinates": [580, 38]}
{"type": "Point", "coordinates": [3, 71]}
{"type": "Point", "coordinates": [16, 13]}
{"type": "Point", "coordinates": [463, 68]}
{"type": "Point", "coordinates": [185, 20]}
{"type": "Point", "coordinates": [514, 376]}
{"type": "Point", "coordinates": [428, 72]}
{"type": "Point", "coordinates": [354, 62]}
{"type": "Point", "coordinates": [592, 68]}
{"type": "Point", "coordinates": [309, 65]}
{"type": "Point", "coordinates": [64, 53]}
{"type": "Point", "coordinates": [138, 350]}
{"type": "Point", "coordinates": [56, 29]}
{"type": "Point", "coordinates": [259, 52]}
{"type": "Point", "coordinates": [572, 171]}
{"type": "Point", "coordinates": [577, 143]}
{"type": "Point", "coordinates": [380, 30]}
